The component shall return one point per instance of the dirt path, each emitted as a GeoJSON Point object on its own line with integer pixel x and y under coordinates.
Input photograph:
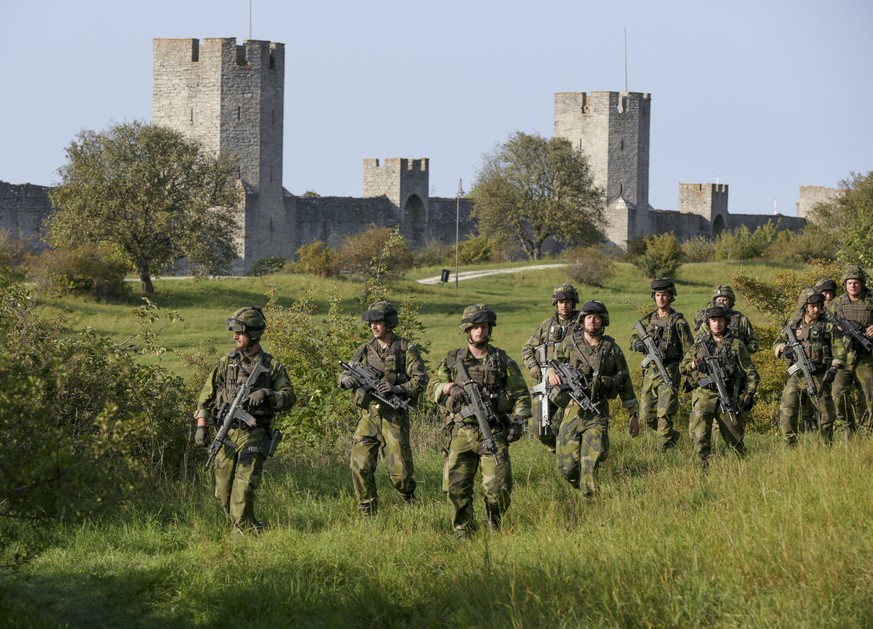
{"type": "Point", "coordinates": [471, 275]}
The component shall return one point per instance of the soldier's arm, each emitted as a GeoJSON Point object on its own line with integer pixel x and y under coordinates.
{"type": "Point", "coordinates": [683, 331]}
{"type": "Point", "coordinates": [416, 372]}
{"type": "Point", "coordinates": [518, 388]}
{"type": "Point", "coordinates": [626, 392]}
{"type": "Point", "coordinates": [528, 350]}
{"type": "Point", "coordinates": [752, 343]}
{"type": "Point", "coordinates": [206, 401]}
{"type": "Point", "coordinates": [744, 359]}
{"type": "Point", "coordinates": [839, 351]}
{"type": "Point", "coordinates": [686, 367]}
{"type": "Point", "coordinates": [442, 376]}
{"type": "Point", "coordinates": [284, 396]}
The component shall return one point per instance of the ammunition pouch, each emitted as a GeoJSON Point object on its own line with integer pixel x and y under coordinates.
{"type": "Point", "coordinates": [362, 398]}
{"type": "Point", "coordinates": [559, 396]}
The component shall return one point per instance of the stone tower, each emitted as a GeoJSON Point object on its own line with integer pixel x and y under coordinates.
{"type": "Point", "coordinates": [612, 129]}
{"type": "Point", "coordinates": [709, 200]}
{"type": "Point", "coordinates": [405, 183]}
{"type": "Point", "coordinates": [231, 98]}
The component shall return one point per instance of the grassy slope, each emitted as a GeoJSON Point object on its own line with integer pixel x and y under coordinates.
{"type": "Point", "coordinates": [780, 539]}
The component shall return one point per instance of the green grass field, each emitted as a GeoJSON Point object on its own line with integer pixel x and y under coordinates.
{"type": "Point", "coordinates": [780, 539]}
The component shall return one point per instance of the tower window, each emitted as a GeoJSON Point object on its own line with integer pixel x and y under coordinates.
{"type": "Point", "coordinates": [622, 146]}
{"type": "Point", "coordinates": [238, 112]}
{"type": "Point", "coordinates": [192, 115]}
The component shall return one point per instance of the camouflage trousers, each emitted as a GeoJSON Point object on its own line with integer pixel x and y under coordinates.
{"type": "Point", "coordinates": [583, 443]}
{"type": "Point", "coordinates": [238, 473]}
{"type": "Point", "coordinates": [794, 403]}
{"type": "Point", "coordinates": [465, 456]}
{"type": "Point", "coordinates": [390, 435]}
{"type": "Point", "coordinates": [705, 409]}
{"type": "Point", "coordinates": [659, 403]}
{"type": "Point", "coordinates": [858, 372]}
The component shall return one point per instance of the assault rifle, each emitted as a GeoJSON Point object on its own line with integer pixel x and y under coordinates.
{"type": "Point", "coordinates": [718, 377]}
{"type": "Point", "coordinates": [542, 392]}
{"type": "Point", "coordinates": [576, 384]}
{"type": "Point", "coordinates": [654, 354]}
{"type": "Point", "coordinates": [479, 409]}
{"type": "Point", "coordinates": [852, 329]}
{"type": "Point", "coordinates": [234, 411]}
{"type": "Point", "coordinates": [801, 362]}
{"type": "Point", "coordinates": [369, 378]}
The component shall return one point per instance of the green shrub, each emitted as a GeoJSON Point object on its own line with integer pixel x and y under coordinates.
{"type": "Point", "coordinates": [316, 258]}
{"type": "Point", "coordinates": [589, 266]}
{"type": "Point", "coordinates": [377, 254]}
{"type": "Point", "coordinates": [662, 257]}
{"type": "Point", "coordinates": [267, 266]}
{"type": "Point", "coordinates": [742, 244]}
{"type": "Point", "coordinates": [812, 243]}
{"type": "Point", "coordinates": [89, 271]}
{"type": "Point", "coordinates": [476, 250]}
{"type": "Point", "coordinates": [698, 249]}
{"type": "Point", "coordinates": [435, 253]}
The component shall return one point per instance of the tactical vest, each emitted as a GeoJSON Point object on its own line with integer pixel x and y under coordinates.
{"type": "Point", "coordinates": [489, 376]}
{"type": "Point", "coordinates": [859, 311]}
{"type": "Point", "coordinates": [595, 363]}
{"type": "Point", "coordinates": [734, 376]}
{"type": "Point", "coordinates": [391, 361]}
{"type": "Point", "coordinates": [815, 339]}
{"type": "Point", "coordinates": [665, 334]}
{"type": "Point", "coordinates": [236, 375]}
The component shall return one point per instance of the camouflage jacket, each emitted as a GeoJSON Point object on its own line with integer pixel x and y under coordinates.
{"type": "Point", "coordinates": [819, 340]}
{"type": "Point", "coordinates": [735, 359]}
{"type": "Point", "coordinates": [672, 335]}
{"type": "Point", "coordinates": [738, 325]}
{"type": "Point", "coordinates": [551, 331]}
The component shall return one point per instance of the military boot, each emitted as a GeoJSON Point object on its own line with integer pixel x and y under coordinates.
{"type": "Point", "coordinates": [409, 499]}
{"type": "Point", "coordinates": [369, 509]}
{"type": "Point", "coordinates": [672, 441]}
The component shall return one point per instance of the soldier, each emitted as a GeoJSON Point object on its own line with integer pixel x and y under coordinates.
{"type": "Point", "coordinates": [824, 353]}
{"type": "Point", "coordinates": [583, 437]}
{"type": "Point", "coordinates": [540, 349]}
{"type": "Point", "coordinates": [828, 288]}
{"type": "Point", "coordinates": [738, 324]}
{"type": "Point", "coordinates": [501, 386]}
{"type": "Point", "coordinates": [856, 304]}
{"type": "Point", "coordinates": [672, 337]}
{"type": "Point", "coordinates": [381, 427]}
{"type": "Point", "coordinates": [809, 415]}
{"type": "Point", "coordinates": [732, 360]}
{"type": "Point", "coordinates": [239, 462]}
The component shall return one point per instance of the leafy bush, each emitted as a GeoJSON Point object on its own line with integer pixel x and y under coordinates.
{"type": "Point", "coordinates": [662, 257]}
{"type": "Point", "coordinates": [589, 266]}
{"type": "Point", "coordinates": [317, 258]}
{"type": "Point", "coordinates": [812, 243]}
{"type": "Point", "coordinates": [267, 266]}
{"type": "Point", "coordinates": [476, 250]}
{"type": "Point", "coordinates": [88, 270]}
{"type": "Point", "coordinates": [435, 253]}
{"type": "Point", "coordinates": [742, 244]}
{"type": "Point", "coordinates": [377, 254]}
{"type": "Point", "coordinates": [11, 257]}
{"type": "Point", "coordinates": [698, 249]}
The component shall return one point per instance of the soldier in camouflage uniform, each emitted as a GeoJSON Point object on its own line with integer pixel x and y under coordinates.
{"type": "Point", "coordinates": [540, 349]}
{"type": "Point", "coordinates": [738, 324]}
{"type": "Point", "coordinates": [502, 386]}
{"type": "Point", "coordinates": [828, 288]}
{"type": "Point", "coordinates": [672, 334]}
{"type": "Point", "coordinates": [826, 355]}
{"type": "Point", "coordinates": [381, 427]}
{"type": "Point", "coordinates": [238, 464]}
{"type": "Point", "coordinates": [583, 437]}
{"type": "Point", "coordinates": [809, 415]}
{"type": "Point", "coordinates": [741, 381]}
{"type": "Point", "coordinates": [856, 304]}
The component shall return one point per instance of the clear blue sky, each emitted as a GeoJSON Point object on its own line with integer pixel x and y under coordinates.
{"type": "Point", "coordinates": [764, 95]}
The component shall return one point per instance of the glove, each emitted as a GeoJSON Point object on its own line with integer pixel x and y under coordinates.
{"type": "Point", "coordinates": [515, 430]}
{"type": "Point", "coordinates": [748, 401]}
{"type": "Point", "coordinates": [256, 398]}
{"type": "Point", "coordinates": [697, 364]}
{"type": "Point", "coordinates": [639, 346]}
{"type": "Point", "coordinates": [535, 372]}
{"type": "Point", "coordinates": [458, 394]}
{"type": "Point", "coordinates": [788, 354]}
{"type": "Point", "coordinates": [201, 437]}
{"type": "Point", "coordinates": [830, 374]}
{"type": "Point", "coordinates": [348, 382]}
{"type": "Point", "coordinates": [633, 425]}
{"type": "Point", "coordinates": [384, 388]}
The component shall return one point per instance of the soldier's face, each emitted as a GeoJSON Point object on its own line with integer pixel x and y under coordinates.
{"type": "Point", "coordinates": [241, 341]}
{"type": "Point", "coordinates": [828, 295]}
{"type": "Point", "coordinates": [477, 333]}
{"type": "Point", "coordinates": [853, 287]}
{"type": "Point", "coordinates": [724, 300]}
{"type": "Point", "coordinates": [662, 299]}
{"type": "Point", "coordinates": [593, 323]}
{"type": "Point", "coordinates": [564, 307]}
{"type": "Point", "coordinates": [379, 329]}
{"type": "Point", "coordinates": [813, 311]}
{"type": "Point", "coordinates": [717, 326]}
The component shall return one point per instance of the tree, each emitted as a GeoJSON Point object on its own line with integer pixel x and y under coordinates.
{"type": "Point", "coordinates": [850, 218]}
{"type": "Point", "coordinates": [152, 194]}
{"type": "Point", "coordinates": [531, 188]}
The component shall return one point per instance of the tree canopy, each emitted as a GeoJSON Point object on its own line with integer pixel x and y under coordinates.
{"type": "Point", "coordinates": [151, 193]}
{"type": "Point", "coordinates": [850, 218]}
{"type": "Point", "coordinates": [530, 188]}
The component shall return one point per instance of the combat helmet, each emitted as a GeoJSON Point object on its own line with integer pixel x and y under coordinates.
{"type": "Point", "coordinates": [854, 272]}
{"type": "Point", "coordinates": [809, 295]}
{"type": "Point", "coordinates": [715, 311]}
{"type": "Point", "coordinates": [594, 307]}
{"type": "Point", "coordinates": [477, 313]}
{"type": "Point", "coordinates": [663, 285]}
{"type": "Point", "coordinates": [724, 290]}
{"type": "Point", "coordinates": [382, 311]}
{"type": "Point", "coordinates": [249, 320]}
{"type": "Point", "coordinates": [826, 283]}
{"type": "Point", "coordinates": [565, 291]}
